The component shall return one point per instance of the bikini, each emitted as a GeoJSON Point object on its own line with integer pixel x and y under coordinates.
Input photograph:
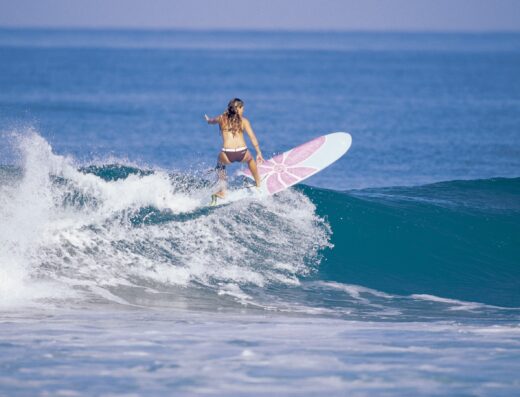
{"type": "Point", "coordinates": [235, 155]}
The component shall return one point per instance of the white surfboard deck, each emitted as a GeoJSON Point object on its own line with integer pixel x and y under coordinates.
{"type": "Point", "coordinates": [293, 166]}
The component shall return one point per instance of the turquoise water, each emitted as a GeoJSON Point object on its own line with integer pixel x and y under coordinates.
{"type": "Point", "coordinates": [392, 272]}
{"type": "Point", "coordinates": [457, 239]}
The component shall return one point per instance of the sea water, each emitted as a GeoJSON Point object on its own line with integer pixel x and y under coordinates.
{"type": "Point", "coordinates": [393, 272]}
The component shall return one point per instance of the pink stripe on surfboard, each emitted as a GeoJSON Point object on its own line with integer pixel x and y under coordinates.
{"type": "Point", "coordinates": [292, 157]}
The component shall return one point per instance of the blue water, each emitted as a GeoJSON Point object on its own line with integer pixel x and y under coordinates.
{"type": "Point", "coordinates": [395, 271]}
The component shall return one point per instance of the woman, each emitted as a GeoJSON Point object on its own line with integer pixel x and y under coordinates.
{"type": "Point", "coordinates": [234, 149]}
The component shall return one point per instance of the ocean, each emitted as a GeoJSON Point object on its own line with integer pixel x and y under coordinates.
{"type": "Point", "coordinates": [393, 272]}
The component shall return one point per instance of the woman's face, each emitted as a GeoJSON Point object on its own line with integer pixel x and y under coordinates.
{"type": "Point", "coordinates": [240, 110]}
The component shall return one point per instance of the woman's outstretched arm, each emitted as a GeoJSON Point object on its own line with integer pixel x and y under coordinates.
{"type": "Point", "coordinates": [213, 120]}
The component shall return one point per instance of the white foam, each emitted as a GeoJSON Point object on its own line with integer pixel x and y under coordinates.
{"type": "Point", "coordinates": [78, 231]}
{"type": "Point", "coordinates": [236, 354]}
{"type": "Point", "coordinates": [353, 290]}
{"type": "Point", "coordinates": [25, 209]}
{"type": "Point", "coordinates": [234, 291]}
{"type": "Point", "coordinates": [454, 303]}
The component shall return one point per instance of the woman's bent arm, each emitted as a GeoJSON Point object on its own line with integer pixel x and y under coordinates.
{"type": "Point", "coordinates": [254, 141]}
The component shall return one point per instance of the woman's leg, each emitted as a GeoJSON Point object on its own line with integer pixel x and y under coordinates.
{"type": "Point", "coordinates": [222, 161]}
{"type": "Point", "coordinates": [252, 167]}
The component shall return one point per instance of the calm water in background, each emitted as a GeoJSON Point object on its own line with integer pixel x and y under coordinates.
{"type": "Point", "coordinates": [395, 271]}
{"type": "Point", "coordinates": [422, 108]}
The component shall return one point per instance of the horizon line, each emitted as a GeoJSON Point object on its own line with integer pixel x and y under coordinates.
{"type": "Point", "coordinates": [255, 30]}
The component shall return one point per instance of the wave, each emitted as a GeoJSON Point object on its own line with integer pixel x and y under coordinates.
{"type": "Point", "coordinates": [131, 235]}
{"type": "Point", "coordinates": [456, 239]}
{"type": "Point", "coordinates": [114, 226]}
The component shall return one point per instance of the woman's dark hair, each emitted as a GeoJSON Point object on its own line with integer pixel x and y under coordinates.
{"type": "Point", "coordinates": [233, 120]}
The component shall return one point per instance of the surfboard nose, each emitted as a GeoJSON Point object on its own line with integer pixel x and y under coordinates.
{"type": "Point", "coordinates": [342, 138]}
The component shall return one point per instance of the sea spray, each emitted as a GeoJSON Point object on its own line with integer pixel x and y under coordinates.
{"type": "Point", "coordinates": [26, 209]}
{"type": "Point", "coordinates": [96, 235]}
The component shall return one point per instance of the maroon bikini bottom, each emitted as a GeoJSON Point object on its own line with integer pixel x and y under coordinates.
{"type": "Point", "coordinates": [235, 157]}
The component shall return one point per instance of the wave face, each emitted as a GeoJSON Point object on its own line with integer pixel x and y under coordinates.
{"type": "Point", "coordinates": [457, 239]}
{"type": "Point", "coordinates": [128, 235]}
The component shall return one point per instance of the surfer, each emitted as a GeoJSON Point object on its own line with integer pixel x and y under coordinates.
{"type": "Point", "coordinates": [234, 149]}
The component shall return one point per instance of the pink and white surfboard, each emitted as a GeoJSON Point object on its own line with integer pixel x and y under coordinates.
{"type": "Point", "coordinates": [295, 165]}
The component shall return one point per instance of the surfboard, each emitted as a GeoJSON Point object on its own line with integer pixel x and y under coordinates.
{"type": "Point", "coordinates": [294, 166]}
